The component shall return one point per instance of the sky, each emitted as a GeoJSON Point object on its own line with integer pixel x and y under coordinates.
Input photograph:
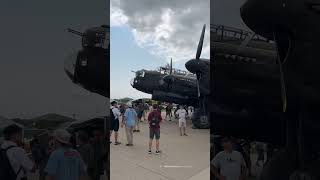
{"type": "Point", "coordinates": [34, 45]}
{"type": "Point", "coordinates": [146, 34]}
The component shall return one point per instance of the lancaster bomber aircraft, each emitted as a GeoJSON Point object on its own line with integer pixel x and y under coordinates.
{"type": "Point", "coordinates": [173, 86]}
{"type": "Point", "coordinates": [279, 99]}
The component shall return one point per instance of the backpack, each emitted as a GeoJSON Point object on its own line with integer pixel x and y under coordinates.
{"type": "Point", "coordinates": [154, 123]}
{"type": "Point", "coordinates": [6, 170]}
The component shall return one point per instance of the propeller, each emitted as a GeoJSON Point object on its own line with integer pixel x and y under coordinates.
{"type": "Point", "coordinates": [199, 50]}
{"type": "Point", "coordinates": [169, 79]}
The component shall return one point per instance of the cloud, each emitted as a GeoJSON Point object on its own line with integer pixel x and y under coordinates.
{"type": "Point", "coordinates": [166, 28]}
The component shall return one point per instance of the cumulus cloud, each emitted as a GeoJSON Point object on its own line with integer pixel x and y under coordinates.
{"type": "Point", "coordinates": [166, 28]}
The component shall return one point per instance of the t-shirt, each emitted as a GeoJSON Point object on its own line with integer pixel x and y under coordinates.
{"type": "Point", "coordinates": [116, 112]}
{"type": "Point", "coordinates": [155, 113]}
{"type": "Point", "coordinates": [65, 164]}
{"type": "Point", "coordinates": [229, 164]}
{"type": "Point", "coordinates": [182, 113]}
{"type": "Point", "coordinates": [130, 117]}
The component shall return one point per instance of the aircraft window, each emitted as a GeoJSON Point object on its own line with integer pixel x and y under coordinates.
{"type": "Point", "coordinates": [228, 33]}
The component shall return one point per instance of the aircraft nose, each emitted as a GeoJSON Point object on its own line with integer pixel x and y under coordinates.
{"type": "Point", "coordinates": [134, 82]}
{"type": "Point", "coordinates": [70, 64]}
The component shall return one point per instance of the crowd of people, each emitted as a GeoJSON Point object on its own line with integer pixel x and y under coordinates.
{"type": "Point", "coordinates": [60, 158]}
{"type": "Point", "coordinates": [130, 115]}
{"type": "Point", "coordinates": [232, 158]}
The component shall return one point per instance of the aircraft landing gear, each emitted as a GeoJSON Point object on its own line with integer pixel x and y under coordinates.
{"type": "Point", "coordinates": [199, 121]}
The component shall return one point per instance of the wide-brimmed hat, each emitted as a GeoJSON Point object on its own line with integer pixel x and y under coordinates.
{"type": "Point", "coordinates": [62, 136]}
{"type": "Point", "coordinates": [129, 104]}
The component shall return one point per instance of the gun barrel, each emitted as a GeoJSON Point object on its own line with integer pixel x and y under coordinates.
{"type": "Point", "coordinates": [75, 32]}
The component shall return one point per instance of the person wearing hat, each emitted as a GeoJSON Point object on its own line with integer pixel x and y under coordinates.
{"type": "Point", "coordinates": [129, 120]}
{"type": "Point", "coordinates": [228, 164]}
{"type": "Point", "coordinates": [65, 163]}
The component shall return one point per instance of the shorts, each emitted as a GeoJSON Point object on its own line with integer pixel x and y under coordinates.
{"type": "Point", "coordinates": [154, 133]}
{"type": "Point", "coordinates": [182, 123]}
{"type": "Point", "coordinates": [114, 126]}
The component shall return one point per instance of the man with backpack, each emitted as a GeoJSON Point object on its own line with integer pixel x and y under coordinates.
{"type": "Point", "coordinates": [154, 120]}
{"type": "Point", "coordinates": [114, 121]}
{"type": "Point", "coordinates": [15, 163]}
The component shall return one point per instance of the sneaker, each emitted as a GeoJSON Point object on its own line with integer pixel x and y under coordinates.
{"type": "Point", "coordinates": [185, 134]}
{"type": "Point", "coordinates": [149, 152]}
{"type": "Point", "coordinates": [158, 152]}
{"type": "Point", "coordinates": [117, 143]}
{"type": "Point", "coordinates": [137, 130]}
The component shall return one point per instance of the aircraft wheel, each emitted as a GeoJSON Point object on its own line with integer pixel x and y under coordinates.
{"type": "Point", "coordinates": [201, 122]}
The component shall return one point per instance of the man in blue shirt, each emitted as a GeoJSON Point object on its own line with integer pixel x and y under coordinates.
{"type": "Point", "coordinates": [130, 118]}
{"type": "Point", "coordinates": [64, 162]}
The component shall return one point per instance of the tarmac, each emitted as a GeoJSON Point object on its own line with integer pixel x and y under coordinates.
{"type": "Point", "coordinates": [182, 157]}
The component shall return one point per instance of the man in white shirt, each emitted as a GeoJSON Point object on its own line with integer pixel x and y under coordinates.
{"type": "Point", "coordinates": [17, 156]}
{"type": "Point", "coordinates": [228, 164]}
{"type": "Point", "coordinates": [182, 115]}
{"type": "Point", "coordinates": [115, 122]}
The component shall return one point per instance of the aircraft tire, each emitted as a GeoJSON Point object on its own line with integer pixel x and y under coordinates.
{"type": "Point", "coordinates": [200, 125]}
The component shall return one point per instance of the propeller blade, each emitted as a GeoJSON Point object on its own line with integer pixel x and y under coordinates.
{"type": "Point", "coordinates": [198, 84]}
{"type": "Point", "coordinates": [171, 66]}
{"type": "Point", "coordinates": [200, 45]}
{"type": "Point", "coordinates": [198, 87]}
{"type": "Point", "coordinates": [282, 81]}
